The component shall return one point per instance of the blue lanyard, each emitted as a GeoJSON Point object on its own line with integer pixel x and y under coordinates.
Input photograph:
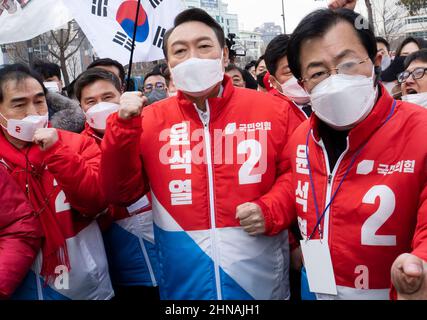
{"type": "Point", "coordinates": [353, 160]}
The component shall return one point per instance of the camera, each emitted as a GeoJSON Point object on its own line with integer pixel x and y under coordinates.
{"type": "Point", "coordinates": [235, 49]}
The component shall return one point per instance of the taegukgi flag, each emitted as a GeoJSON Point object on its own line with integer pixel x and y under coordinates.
{"type": "Point", "coordinates": [109, 26]}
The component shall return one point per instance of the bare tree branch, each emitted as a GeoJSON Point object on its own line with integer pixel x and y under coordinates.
{"type": "Point", "coordinates": [75, 50]}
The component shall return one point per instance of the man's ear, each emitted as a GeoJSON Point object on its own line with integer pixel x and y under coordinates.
{"type": "Point", "coordinates": [377, 68]}
{"type": "Point", "coordinates": [226, 56]}
{"type": "Point", "coordinates": [273, 81]}
{"type": "Point", "coordinates": [378, 59]}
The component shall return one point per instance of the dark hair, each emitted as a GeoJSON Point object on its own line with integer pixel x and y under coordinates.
{"type": "Point", "coordinates": [47, 69]}
{"type": "Point", "coordinates": [384, 42]}
{"type": "Point", "coordinates": [259, 61]}
{"type": "Point", "coordinates": [420, 55]}
{"type": "Point", "coordinates": [195, 14]}
{"type": "Point", "coordinates": [260, 79]}
{"type": "Point", "coordinates": [91, 76]}
{"type": "Point", "coordinates": [154, 73]}
{"type": "Point", "coordinates": [250, 65]}
{"type": "Point", "coordinates": [251, 83]}
{"type": "Point", "coordinates": [70, 89]}
{"type": "Point", "coordinates": [160, 68]}
{"type": "Point", "coordinates": [17, 72]}
{"type": "Point", "coordinates": [392, 72]}
{"type": "Point", "coordinates": [276, 50]}
{"type": "Point", "coordinates": [107, 62]}
{"type": "Point", "coordinates": [317, 24]}
{"type": "Point", "coordinates": [419, 42]}
{"type": "Point", "coordinates": [232, 67]}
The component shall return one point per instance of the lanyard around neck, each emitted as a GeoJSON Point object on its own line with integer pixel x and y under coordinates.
{"type": "Point", "coordinates": [353, 160]}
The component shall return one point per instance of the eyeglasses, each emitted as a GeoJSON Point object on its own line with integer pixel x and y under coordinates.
{"type": "Point", "coordinates": [158, 85]}
{"type": "Point", "coordinates": [348, 68]}
{"type": "Point", "coordinates": [417, 73]}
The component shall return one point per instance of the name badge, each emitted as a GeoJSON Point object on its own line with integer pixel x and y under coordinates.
{"type": "Point", "coordinates": [318, 264]}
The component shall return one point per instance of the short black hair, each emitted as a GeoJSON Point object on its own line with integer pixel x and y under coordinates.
{"type": "Point", "coordinates": [17, 72]}
{"type": "Point", "coordinates": [195, 14]}
{"type": "Point", "coordinates": [107, 62]}
{"type": "Point", "coordinates": [161, 68]}
{"type": "Point", "coordinates": [250, 65]}
{"type": "Point", "coordinates": [232, 67]}
{"type": "Point", "coordinates": [154, 73]}
{"type": "Point", "coordinates": [419, 42]}
{"type": "Point", "coordinates": [47, 69]}
{"type": "Point", "coordinates": [251, 83]}
{"type": "Point", "coordinates": [420, 55]}
{"type": "Point", "coordinates": [259, 61]}
{"type": "Point", "coordinates": [92, 75]}
{"type": "Point", "coordinates": [276, 50]}
{"type": "Point", "coordinates": [317, 24]}
{"type": "Point", "coordinates": [384, 42]}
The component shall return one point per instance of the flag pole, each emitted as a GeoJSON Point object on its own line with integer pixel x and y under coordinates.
{"type": "Point", "coordinates": [133, 46]}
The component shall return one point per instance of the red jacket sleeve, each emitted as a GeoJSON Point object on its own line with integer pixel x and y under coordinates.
{"type": "Point", "coordinates": [20, 235]}
{"type": "Point", "coordinates": [278, 205]}
{"type": "Point", "coordinates": [123, 180]}
{"type": "Point", "coordinates": [74, 162]}
{"type": "Point", "coordinates": [419, 243]}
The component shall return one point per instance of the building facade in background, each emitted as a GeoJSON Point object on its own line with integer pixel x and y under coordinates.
{"type": "Point", "coordinates": [268, 31]}
{"type": "Point", "coordinates": [218, 9]}
{"type": "Point", "coordinates": [252, 43]}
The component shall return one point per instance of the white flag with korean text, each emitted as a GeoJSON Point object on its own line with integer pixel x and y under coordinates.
{"type": "Point", "coordinates": [109, 26]}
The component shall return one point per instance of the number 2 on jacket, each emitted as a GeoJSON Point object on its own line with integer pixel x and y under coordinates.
{"type": "Point", "coordinates": [377, 220]}
{"type": "Point", "coordinates": [254, 149]}
{"type": "Point", "coordinates": [60, 202]}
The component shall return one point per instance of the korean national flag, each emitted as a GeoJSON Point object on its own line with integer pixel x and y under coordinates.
{"type": "Point", "coordinates": [109, 26]}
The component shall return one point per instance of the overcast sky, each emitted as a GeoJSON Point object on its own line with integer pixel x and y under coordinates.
{"type": "Point", "coordinates": [253, 13]}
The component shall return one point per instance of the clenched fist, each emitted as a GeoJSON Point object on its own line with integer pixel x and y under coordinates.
{"type": "Point", "coordinates": [409, 277]}
{"type": "Point", "coordinates": [131, 104]}
{"type": "Point", "coordinates": [251, 218]}
{"type": "Point", "coordinates": [45, 137]}
{"type": "Point", "coordinates": [337, 4]}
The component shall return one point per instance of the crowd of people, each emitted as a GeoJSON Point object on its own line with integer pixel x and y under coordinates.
{"type": "Point", "coordinates": [297, 176]}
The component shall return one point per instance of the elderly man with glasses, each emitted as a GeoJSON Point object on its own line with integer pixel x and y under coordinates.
{"type": "Point", "coordinates": [413, 80]}
{"type": "Point", "coordinates": [357, 180]}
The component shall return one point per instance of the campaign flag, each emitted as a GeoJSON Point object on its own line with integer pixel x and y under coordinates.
{"type": "Point", "coordinates": [22, 20]}
{"type": "Point", "coordinates": [109, 26]}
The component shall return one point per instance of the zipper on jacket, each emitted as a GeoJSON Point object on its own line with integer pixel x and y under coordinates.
{"type": "Point", "coordinates": [208, 145]}
{"type": "Point", "coordinates": [37, 273]}
{"type": "Point", "coordinates": [331, 177]}
{"type": "Point", "coordinates": [147, 259]}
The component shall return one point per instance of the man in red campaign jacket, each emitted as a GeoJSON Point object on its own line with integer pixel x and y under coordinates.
{"type": "Point", "coordinates": [128, 231]}
{"type": "Point", "coordinates": [58, 171]}
{"type": "Point", "coordinates": [285, 85]}
{"type": "Point", "coordinates": [20, 235]}
{"type": "Point", "coordinates": [286, 88]}
{"type": "Point", "coordinates": [357, 175]}
{"type": "Point", "coordinates": [207, 155]}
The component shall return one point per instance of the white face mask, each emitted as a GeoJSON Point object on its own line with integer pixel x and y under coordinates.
{"type": "Point", "coordinates": [418, 98]}
{"type": "Point", "coordinates": [385, 62]}
{"type": "Point", "coordinates": [294, 91]}
{"type": "Point", "coordinates": [51, 86]}
{"type": "Point", "coordinates": [196, 77]}
{"type": "Point", "coordinates": [343, 101]}
{"type": "Point", "coordinates": [97, 115]}
{"type": "Point", "coordinates": [24, 129]}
